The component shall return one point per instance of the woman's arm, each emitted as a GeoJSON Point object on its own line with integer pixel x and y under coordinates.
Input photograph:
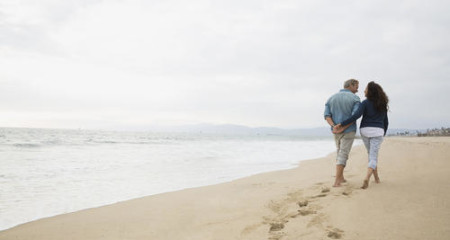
{"type": "Point", "coordinates": [356, 115]}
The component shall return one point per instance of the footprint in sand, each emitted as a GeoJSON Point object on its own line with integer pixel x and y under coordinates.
{"type": "Point", "coordinates": [335, 233]}
{"type": "Point", "coordinates": [277, 236]}
{"type": "Point", "coordinates": [347, 192]}
{"type": "Point", "coordinates": [302, 203]}
{"type": "Point", "coordinates": [305, 212]}
{"type": "Point", "coordinates": [305, 209]}
{"type": "Point", "coordinates": [320, 195]}
{"type": "Point", "coordinates": [275, 231]}
{"type": "Point", "coordinates": [276, 227]}
{"type": "Point", "coordinates": [323, 192]}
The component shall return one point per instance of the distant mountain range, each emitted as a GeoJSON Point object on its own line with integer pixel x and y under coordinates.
{"type": "Point", "coordinates": [232, 129]}
{"type": "Point", "coordinates": [245, 130]}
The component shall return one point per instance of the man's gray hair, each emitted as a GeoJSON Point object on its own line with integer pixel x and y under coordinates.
{"type": "Point", "coordinates": [350, 82]}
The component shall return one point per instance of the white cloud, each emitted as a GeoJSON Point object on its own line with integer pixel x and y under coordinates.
{"type": "Point", "coordinates": [260, 63]}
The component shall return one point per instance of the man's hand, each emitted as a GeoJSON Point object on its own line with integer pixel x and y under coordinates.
{"type": "Point", "coordinates": [338, 128]}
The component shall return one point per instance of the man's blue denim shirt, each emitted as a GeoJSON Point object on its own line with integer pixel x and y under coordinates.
{"type": "Point", "coordinates": [341, 106]}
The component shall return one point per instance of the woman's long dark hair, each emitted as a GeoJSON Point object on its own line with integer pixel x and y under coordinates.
{"type": "Point", "coordinates": [376, 94]}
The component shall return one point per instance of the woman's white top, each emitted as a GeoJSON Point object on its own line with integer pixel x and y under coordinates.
{"type": "Point", "coordinates": [371, 132]}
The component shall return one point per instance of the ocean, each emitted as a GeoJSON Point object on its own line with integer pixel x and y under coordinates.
{"type": "Point", "coordinates": [47, 172]}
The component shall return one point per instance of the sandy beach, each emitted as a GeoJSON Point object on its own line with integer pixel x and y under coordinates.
{"type": "Point", "coordinates": [411, 202]}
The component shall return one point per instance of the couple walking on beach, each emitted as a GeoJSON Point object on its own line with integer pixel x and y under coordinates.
{"type": "Point", "coordinates": [341, 112]}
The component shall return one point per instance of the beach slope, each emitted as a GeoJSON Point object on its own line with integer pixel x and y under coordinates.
{"type": "Point", "coordinates": [411, 202]}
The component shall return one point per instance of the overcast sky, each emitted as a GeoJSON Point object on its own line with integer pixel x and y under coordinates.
{"type": "Point", "coordinates": [117, 63]}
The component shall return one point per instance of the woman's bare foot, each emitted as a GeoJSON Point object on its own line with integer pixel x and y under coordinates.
{"type": "Point", "coordinates": [365, 184]}
{"type": "Point", "coordinates": [375, 174]}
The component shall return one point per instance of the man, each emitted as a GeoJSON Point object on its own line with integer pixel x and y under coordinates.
{"type": "Point", "coordinates": [338, 108]}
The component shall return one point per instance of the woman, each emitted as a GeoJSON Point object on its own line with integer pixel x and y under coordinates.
{"type": "Point", "coordinates": [373, 126]}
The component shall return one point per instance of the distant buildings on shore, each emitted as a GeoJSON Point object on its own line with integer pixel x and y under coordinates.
{"type": "Point", "coordinates": [428, 133]}
{"type": "Point", "coordinates": [435, 132]}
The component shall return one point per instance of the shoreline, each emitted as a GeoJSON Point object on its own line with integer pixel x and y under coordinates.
{"type": "Point", "coordinates": [266, 205]}
{"type": "Point", "coordinates": [77, 172]}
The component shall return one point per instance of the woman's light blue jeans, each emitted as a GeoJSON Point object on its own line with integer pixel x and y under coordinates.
{"type": "Point", "coordinates": [373, 146]}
